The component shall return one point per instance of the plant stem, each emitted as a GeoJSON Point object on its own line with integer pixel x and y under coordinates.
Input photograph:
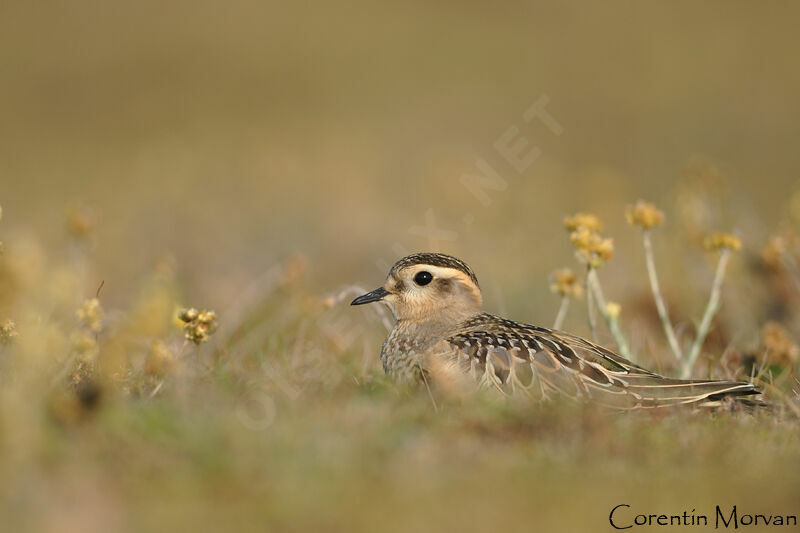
{"type": "Point", "coordinates": [663, 314]}
{"type": "Point", "coordinates": [590, 307]}
{"type": "Point", "coordinates": [562, 312]}
{"type": "Point", "coordinates": [711, 309]}
{"type": "Point", "coordinates": [428, 388]}
{"type": "Point", "coordinates": [612, 323]}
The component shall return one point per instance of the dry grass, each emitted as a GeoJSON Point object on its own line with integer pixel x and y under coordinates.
{"type": "Point", "coordinates": [113, 420]}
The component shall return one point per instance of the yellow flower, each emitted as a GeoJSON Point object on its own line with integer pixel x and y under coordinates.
{"type": "Point", "coordinates": [188, 315]}
{"type": "Point", "coordinates": [604, 248]}
{"type": "Point", "coordinates": [198, 325]}
{"type": "Point", "coordinates": [91, 315]}
{"type": "Point", "coordinates": [723, 241]}
{"type": "Point", "coordinates": [582, 238]}
{"type": "Point", "coordinates": [207, 317]}
{"type": "Point", "coordinates": [8, 331]}
{"type": "Point", "coordinates": [565, 282]}
{"type": "Point", "coordinates": [591, 247]}
{"type": "Point", "coordinates": [644, 214]}
{"type": "Point", "coordinates": [583, 220]}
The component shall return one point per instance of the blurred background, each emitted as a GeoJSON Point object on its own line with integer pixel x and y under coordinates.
{"type": "Point", "coordinates": [180, 152]}
{"type": "Point", "coordinates": [230, 136]}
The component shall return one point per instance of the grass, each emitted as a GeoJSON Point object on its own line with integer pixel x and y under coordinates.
{"type": "Point", "coordinates": [284, 421]}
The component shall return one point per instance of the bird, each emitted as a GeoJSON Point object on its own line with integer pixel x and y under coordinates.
{"type": "Point", "coordinates": [443, 339]}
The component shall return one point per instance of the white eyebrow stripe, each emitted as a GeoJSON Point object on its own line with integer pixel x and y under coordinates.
{"type": "Point", "coordinates": [448, 273]}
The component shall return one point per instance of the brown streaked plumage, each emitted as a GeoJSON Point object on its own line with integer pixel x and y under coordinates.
{"type": "Point", "coordinates": [442, 336]}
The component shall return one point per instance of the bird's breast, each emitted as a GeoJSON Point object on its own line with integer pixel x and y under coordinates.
{"type": "Point", "coordinates": [401, 356]}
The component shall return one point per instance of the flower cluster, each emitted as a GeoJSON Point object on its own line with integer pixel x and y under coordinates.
{"type": "Point", "coordinates": [565, 282]}
{"type": "Point", "coordinates": [644, 215]}
{"type": "Point", "coordinates": [86, 350]}
{"type": "Point", "coordinates": [84, 340]}
{"type": "Point", "coordinates": [722, 241]}
{"type": "Point", "coordinates": [591, 247]}
{"type": "Point", "coordinates": [90, 314]}
{"type": "Point", "coordinates": [583, 220]}
{"type": "Point", "coordinates": [8, 331]}
{"type": "Point", "coordinates": [198, 326]}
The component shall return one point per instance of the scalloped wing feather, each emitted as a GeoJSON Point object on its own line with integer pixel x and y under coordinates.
{"type": "Point", "coordinates": [516, 357]}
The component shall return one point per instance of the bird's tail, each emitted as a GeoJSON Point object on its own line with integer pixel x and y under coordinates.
{"type": "Point", "coordinates": [652, 391]}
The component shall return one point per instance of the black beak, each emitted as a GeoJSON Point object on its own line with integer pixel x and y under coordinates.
{"type": "Point", "coordinates": [374, 296]}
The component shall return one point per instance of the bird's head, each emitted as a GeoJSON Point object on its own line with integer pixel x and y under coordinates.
{"type": "Point", "coordinates": [428, 286]}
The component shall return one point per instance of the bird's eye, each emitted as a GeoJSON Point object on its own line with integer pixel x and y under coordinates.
{"type": "Point", "coordinates": [423, 278]}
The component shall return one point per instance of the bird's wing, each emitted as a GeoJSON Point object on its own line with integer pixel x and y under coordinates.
{"type": "Point", "coordinates": [536, 360]}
